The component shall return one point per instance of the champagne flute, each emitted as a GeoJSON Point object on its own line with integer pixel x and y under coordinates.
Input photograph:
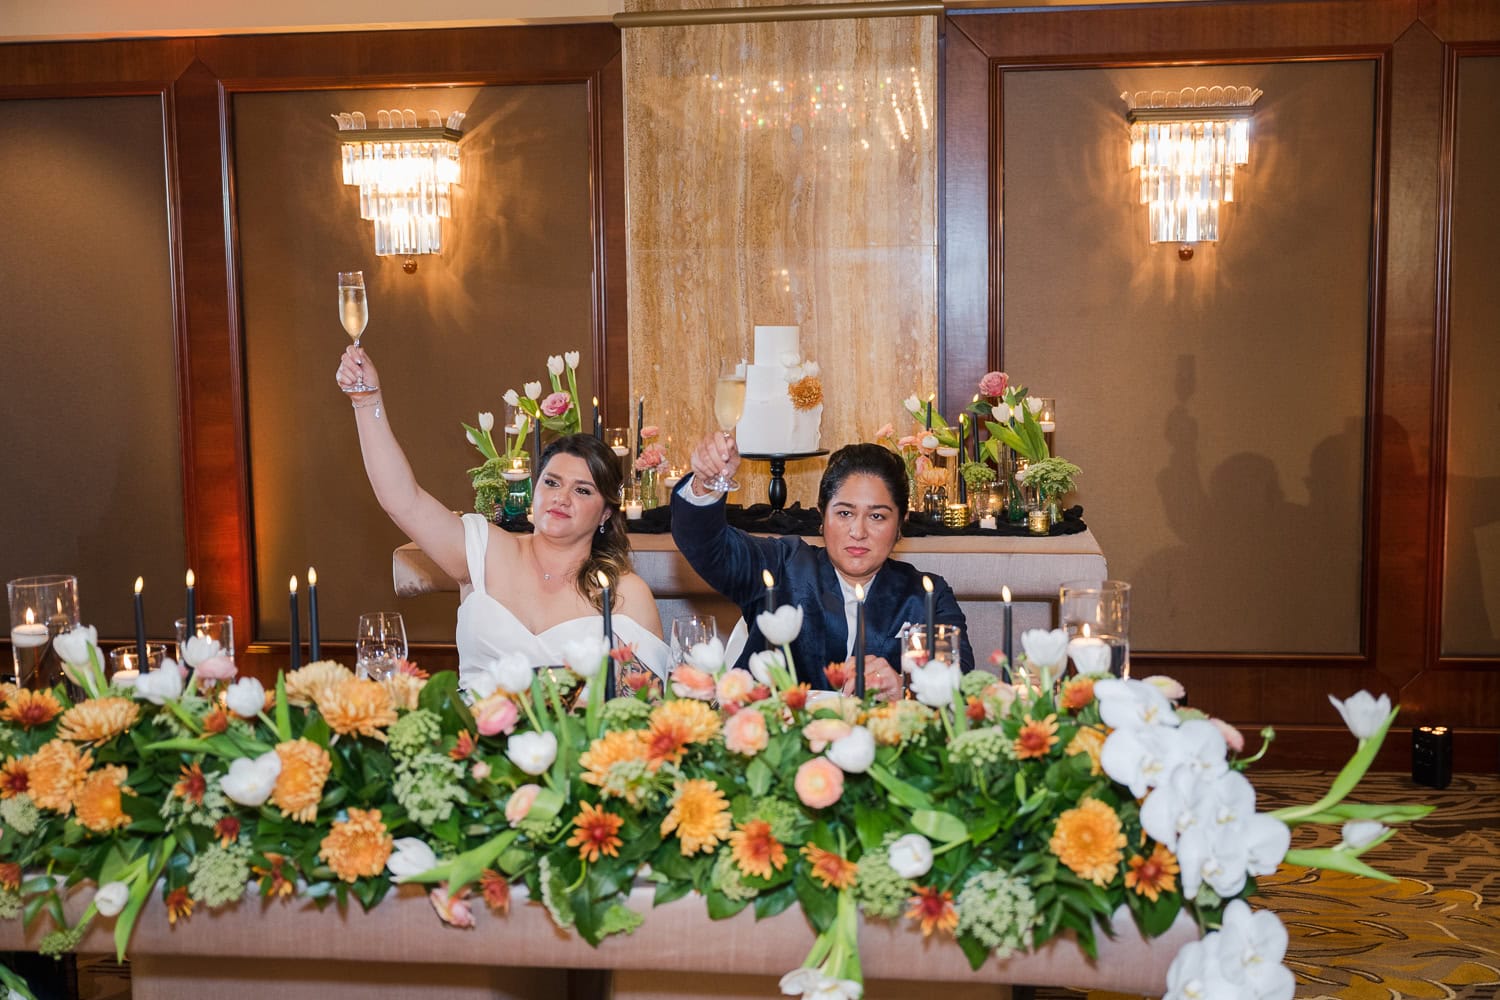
{"type": "Point", "coordinates": [354, 313]}
{"type": "Point", "coordinates": [729, 405]}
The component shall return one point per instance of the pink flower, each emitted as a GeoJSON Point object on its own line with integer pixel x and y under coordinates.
{"type": "Point", "coordinates": [910, 441]}
{"type": "Point", "coordinates": [735, 686]}
{"type": "Point", "coordinates": [819, 783]}
{"type": "Point", "coordinates": [556, 404]}
{"type": "Point", "coordinates": [453, 910]}
{"type": "Point", "coordinates": [1232, 736]}
{"type": "Point", "coordinates": [993, 384]}
{"type": "Point", "coordinates": [653, 456]}
{"type": "Point", "coordinates": [519, 804]}
{"type": "Point", "coordinates": [821, 732]}
{"type": "Point", "coordinates": [480, 770]}
{"type": "Point", "coordinates": [216, 668]}
{"type": "Point", "coordinates": [650, 432]}
{"type": "Point", "coordinates": [690, 682]}
{"type": "Point", "coordinates": [495, 714]}
{"type": "Point", "coordinates": [745, 733]}
{"type": "Point", "coordinates": [885, 431]}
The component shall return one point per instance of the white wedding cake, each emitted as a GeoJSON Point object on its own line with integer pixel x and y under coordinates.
{"type": "Point", "coordinates": [783, 396]}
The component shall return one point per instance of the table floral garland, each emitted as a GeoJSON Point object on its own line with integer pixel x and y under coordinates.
{"type": "Point", "coordinates": [999, 815]}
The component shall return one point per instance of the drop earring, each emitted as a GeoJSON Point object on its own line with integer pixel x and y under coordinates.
{"type": "Point", "coordinates": [603, 527]}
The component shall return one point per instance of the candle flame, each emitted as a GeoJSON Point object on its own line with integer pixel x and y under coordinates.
{"type": "Point", "coordinates": [603, 579]}
{"type": "Point", "coordinates": [767, 578]}
{"type": "Point", "coordinates": [293, 585]}
{"type": "Point", "coordinates": [1005, 594]}
{"type": "Point", "coordinates": [59, 605]}
{"type": "Point", "coordinates": [931, 396]}
{"type": "Point", "coordinates": [30, 617]}
{"type": "Point", "coordinates": [312, 577]}
{"type": "Point", "coordinates": [1085, 630]}
{"type": "Point", "coordinates": [859, 592]}
{"type": "Point", "coordinates": [927, 584]}
{"type": "Point", "coordinates": [140, 582]}
{"type": "Point", "coordinates": [191, 579]}
{"type": "Point", "coordinates": [596, 402]}
{"type": "Point", "coordinates": [976, 397]}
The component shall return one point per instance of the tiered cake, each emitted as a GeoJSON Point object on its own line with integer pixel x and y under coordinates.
{"type": "Point", "coordinates": [783, 396]}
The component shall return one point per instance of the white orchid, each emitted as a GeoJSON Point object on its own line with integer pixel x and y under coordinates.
{"type": "Point", "coordinates": [1130, 704]}
{"type": "Point", "coordinates": [585, 654]}
{"type": "Point", "coordinates": [1139, 758]}
{"type": "Point", "coordinates": [199, 648]}
{"type": "Point", "coordinates": [411, 856]}
{"type": "Point", "coordinates": [555, 364]}
{"type": "Point", "coordinates": [1240, 961]}
{"type": "Point", "coordinates": [511, 399]}
{"type": "Point", "coordinates": [1361, 833]}
{"type": "Point", "coordinates": [1210, 823]}
{"type": "Point", "coordinates": [533, 390]}
{"type": "Point", "coordinates": [762, 663]}
{"type": "Point", "coordinates": [110, 898]}
{"type": "Point", "coordinates": [1046, 649]}
{"type": "Point", "coordinates": [251, 780]}
{"type": "Point", "coordinates": [933, 683]}
{"type": "Point", "coordinates": [781, 626]}
{"type": "Point", "coordinates": [246, 697]}
{"type": "Point", "coordinates": [532, 752]}
{"type": "Point", "coordinates": [1170, 688]}
{"type": "Point", "coordinates": [76, 647]}
{"type": "Point", "coordinates": [161, 685]}
{"type": "Point", "coordinates": [910, 856]}
{"type": "Point", "coordinates": [486, 421]}
{"type": "Point", "coordinates": [1363, 713]}
{"type": "Point", "coordinates": [706, 656]}
{"type": "Point", "coordinates": [571, 357]}
{"type": "Point", "coordinates": [853, 753]}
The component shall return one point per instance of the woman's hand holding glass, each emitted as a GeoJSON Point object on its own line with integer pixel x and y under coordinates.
{"type": "Point", "coordinates": [354, 366]}
{"type": "Point", "coordinates": [714, 456]}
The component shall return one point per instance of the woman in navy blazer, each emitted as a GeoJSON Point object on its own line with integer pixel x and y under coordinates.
{"type": "Point", "coordinates": [863, 499]}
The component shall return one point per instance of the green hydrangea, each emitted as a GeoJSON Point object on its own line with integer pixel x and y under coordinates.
{"type": "Point", "coordinates": [981, 747]}
{"type": "Point", "coordinates": [906, 722]}
{"type": "Point", "coordinates": [636, 781]}
{"type": "Point", "coordinates": [219, 874]}
{"type": "Point", "coordinates": [20, 814]}
{"type": "Point", "coordinates": [176, 810]}
{"type": "Point", "coordinates": [878, 889]}
{"type": "Point", "coordinates": [974, 683]}
{"type": "Point", "coordinates": [10, 904]}
{"type": "Point", "coordinates": [619, 919]}
{"type": "Point", "coordinates": [998, 911]}
{"type": "Point", "coordinates": [786, 819]}
{"type": "Point", "coordinates": [726, 877]}
{"type": "Point", "coordinates": [59, 943]}
{"type": "Point", "coordinates": [625, 713]}
{"type": "Point", "coordinates": [427, 786]}
{"type": "Point", "coordinates": [414, 733]}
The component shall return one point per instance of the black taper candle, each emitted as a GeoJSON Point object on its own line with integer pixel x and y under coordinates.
{"type": "Point", "coordinates": [192, 604]}
{"type": "Point", "coordinates": [609, 636]}
{"type": "Point", "coordinates": [963, 486]}
{"type": "Point", "coordinates": [929, 412]}
{"type": "Point", "coordinates": [640, 426]}
{"type": "Point", "coordinates": [140, 624]}
{"type": "Point", "coordinates": [770, 582]}
{"type": "Point", "coordinates": [598, 421]}
{"type": "Point", "coordinates": [1005, 593]}
{"type": "Point", "coordinates": [859, 641]}
{"type": "Point", "coordinates": [975, 436]}
{"type": "Point", "coordinates": [931, 617]}
{"type": "Point", "coordinates": [536, 445]}
{"type": "Point", "coordinates": [314, 646]}
{"type": "Point", "coordinates": [294, 631]}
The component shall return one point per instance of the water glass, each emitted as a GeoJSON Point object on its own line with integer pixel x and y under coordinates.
{"type": "Point", "coordinates": [917, 651]}
{"type": "Point", "coordinates": [125, 668]}
{"type": "Point", "coordinates": [379, 644]}
{"type": "Point", "coordinates": [1103, 607]}
{"type": "Point", "coordinates": [687, 632]}
{"type": "Point", "coordinates": [41, 609]}
{"type": "Point", "coordinates": [219, 628]}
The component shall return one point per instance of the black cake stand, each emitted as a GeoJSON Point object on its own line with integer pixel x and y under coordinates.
{"type": "Point", "coordinates": [777, 490]}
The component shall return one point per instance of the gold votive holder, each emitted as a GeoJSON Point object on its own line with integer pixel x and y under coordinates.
{"type": "Point", "coordinates": [956, 515]}
{"type": "Point", "coordinates": [1038, 521]}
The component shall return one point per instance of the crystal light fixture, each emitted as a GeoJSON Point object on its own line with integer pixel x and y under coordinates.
{"type": "Point", "coordinates": [1186, 145]}
{"type": "Point", "coordinates": [405, 173]}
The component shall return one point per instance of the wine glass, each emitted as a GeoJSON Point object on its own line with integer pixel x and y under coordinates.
{"type": "Point", "coordinates": [379, 644]}
{"type": "Point", "coordinates": [729, 405]}
{"type": "Point", "coordinates": [354, 313]}
{"type": "Point", "coordinates": [688, 631]}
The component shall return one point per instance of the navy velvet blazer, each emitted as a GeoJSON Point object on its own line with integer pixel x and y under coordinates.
{"type": "Point", "coordinates": [731, 560]}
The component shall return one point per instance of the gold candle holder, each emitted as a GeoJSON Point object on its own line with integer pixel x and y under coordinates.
{"type": "Point", "coordinates": [1038, 521]}
{"type": "Point", "coordinates": [956, 515]}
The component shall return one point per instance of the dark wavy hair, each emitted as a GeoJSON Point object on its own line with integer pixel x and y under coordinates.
{"type": "Point", "coordinates": [866, 460]}
{"type": "Point", "coordinates": [609, 549]}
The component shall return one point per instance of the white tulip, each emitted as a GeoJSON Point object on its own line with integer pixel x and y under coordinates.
{"type": "Point", "coordinates": [1089, 657]}
{"type": "Point", "coordinates": [1000, 413]}
{"type": "Point", "coordinates": [1361, 833]}
{"type": "Point", "coordinates": [511, 673]}
{"type": "Point", "coordinates": [707, 656]}
{"type": "Point", "coordinates": [532, 752]}
{"type": "Point", "coordinates": [75, 647]}
{"type": "Point", "coordinates": [911, 403]}
{"type": "Point", "coordinates": [199, 648]}
{"type": "Point", "coordinates": [251, 780]}
{"type": "Point", "coordinates": [246, 697]}
{"type": "Point", "coordinates": [1363, 713]}
{"type": "Point", "coordinates": [762, 663]}
{"type": "Point", "coordinates": [511, 399]}
{"type": "Point", "coordinates": [571, 357]}
{"type": "Point", "coordinates": [469, 437]}
{"type": "Point", "coordinates": [533, 390]}
{"type": "Point", "coordinates": [934, 683]}
{"type": "Point", "coordinates": [486, 421]}
{"type": "Point", "coordinates": [911, 856]}
{"type": "Point", "coordinates": [410, 857]}
{"type": "Point", "coordinates": [586, 654]}
{"type": "Point", "coordinates": [781, 626]}
{"type": "Point", "coordinates": [1046, 649]}
{"type": "Point", "coordinates": [853, 753]}
{"type": "Point", "coordinates": [161, 685]}
{"type": "Point", "coordinates": [555, 364]}
{"type": "Point", "coordinates": [110, 898]}
{"type": "Point", "coordinates": [1033, 404]}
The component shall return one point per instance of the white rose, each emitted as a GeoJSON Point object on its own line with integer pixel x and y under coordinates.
{"type": "Point", "coordinates": [571, 357]}
{"type": "Point", "coordinates": [74, 647]}
{"type": "Point", "coordinates": [532, 752]}
{"type": "Point", "coordinates": [161, 685]}
{"type": "Point", "coordinates": [934, 683]}
{"type": "Point", "coordinates": [911, 856]}
{"type": "Point", "coordinates": [853, 753]}
{"type": "Point", "coordinates": [246, 697]}
{"type": "Point", "coordinates": [533, 390]}
{"type": "Point", "coordinates": [1363, 713]}
{"type": "Point", "coordinates": [707, 656]}
{"type": "Point", "coordinates": [1044, 648]}
{"type": "Point", "coordinates": [511, 399]}
{"type": "Point", "coordinates": [111, 898]}
{"type": "Point", "coordinates": [585, 655]}
{"type": "Point", "coordinates": [486, 421]}
{"type": "Point", "coordinates": [251, 780]}
{"type": "Point", "coordinates": [781, 626]}
{"type": "Point", "coordinates": [199, 648]}
{"type": "Point", "coordinates": [410, 857]}
{"type": "Point", "coordinates": [1361, 833]}
{"type": "Point", "coordinates": [762, 663]}
{"type": "Point", "coordinates": [555, 364]}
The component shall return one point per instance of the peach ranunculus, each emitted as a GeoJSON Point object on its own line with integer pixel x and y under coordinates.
{"type": "Point", "coordinates": [496, 714]}
{"type": "Point", "coordinates": [519, 803]}
{"type": "Point", "coordinates": [734, 686]}
{"type": "Point", "coordinates": [746, 733]}
{"type": "Point", "coordinates": [216, 668]}
{"type": "Point", "coordinates": [650, 432]}
{"type": "Point", "coordinates": [819, 783]}
{"type": "Point", "coordinates": [690, 682]}
{"type": "Point", "coordinates": [821, 732]}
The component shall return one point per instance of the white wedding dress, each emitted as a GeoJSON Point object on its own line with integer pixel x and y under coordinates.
{"type": "Point", "coordinates": [487, 628]}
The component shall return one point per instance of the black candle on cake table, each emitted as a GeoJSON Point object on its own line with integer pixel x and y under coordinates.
{"type": "Point", "coordinates": [770, 582]}
{"type": "Point", "coordinates": [930, 397]}
{"type": "Point", "coordinates": [294, 631]}
{"type": "Point", "coordinates": [140, 621]}
{"type": "Point", "coordinates": [963, 486]}
{"type": "Point", "coordinates": [975, 435]}
{"type": "Point", "coordinates": [640, 426]}
{"type": "Point", "coordinates": [192, 603]}
{"type": "Point", "coordinates": [314, 647]}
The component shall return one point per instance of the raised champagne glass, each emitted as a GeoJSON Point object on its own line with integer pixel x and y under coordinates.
{"type": "Point", "coordinates": [354, 313]}
{"type": "Point", "coordinates": [729, 405]}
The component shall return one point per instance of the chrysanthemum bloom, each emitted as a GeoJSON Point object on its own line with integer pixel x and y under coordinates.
{"type": "Point", "coordinates": [819, 783]}
{"type": "Point", "coordinates": [1089, 740]}
{"type": "Point", "coordinates": [675, 725]}
{"type": "Point", "coordinates": [98, 719]}
{"type": "Point", "coordinates": [29, 709]}
{"type": "Point", "coordinates": [14, 779]}
{"type": "Point", "coordinates": [1088, 840]}
{"type": "Point", "coordinates": [179, 905]}
{"type": "Point", "coordinates": [1077, 694]}
{"type": "Point", "coordinates": [1036, 738]}
{"type": "Point", "coordinates": [192, 784]}
{"type": "Point", "coordinates": [56, 772]}
{"type": "Point", "coordinates": [303, 686]}
{"type": "Point", "coordinates": [934, 910]}
{"type": "Point", "coordinates": [755, 850]}
{"type": "Point", "coordinates": [975, 711]}
{"type": "Point", "coordinates": [273, 879]}
{"type": "Point", "coordinates": [829, 868]}
{"type": "Point", "coordinates": [496, 891]}
{"type": "Point", "coordinates": [746, 733]}
{"type": "Point", "coordinates": [410, 667]}
{"type": "Point", "coordinates": [700, 815]}
{"type": "Point", "coordinates": [465, 747]}
{"type": "Point", "coordinates": [1152, 876]}
{"type": "Point", "coordinates": [609, 750]}
{"type": "Point", "coordinates": [358, 846]}
{"type": "Point", "coordinates": [357, 706]}
{"type": "Point", "coordinates": [215, 722]}
{"type": "Point", "coordinates": [10, 876]}
{"type": "Point", "coordinates": [99, 799]}
{"type": "Point", "coordinates": [796, 698]}
{"type": "Point", "coordinates": [405, 690]}
{"type": "Point", "coordinates": [595, 832]}
{"type": "Point", "coordinates": [227, 830]}
{"type": "Point", "coordinates": [299, 786]}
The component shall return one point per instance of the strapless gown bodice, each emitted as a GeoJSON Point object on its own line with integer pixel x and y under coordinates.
{"type": "Point", "coordinates": [487, 628]}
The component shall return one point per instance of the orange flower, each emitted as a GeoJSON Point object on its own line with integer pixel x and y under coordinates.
{"type": "Point", "coordinates": [273, 880]}
{"type": "Point", "coordinates": [1089, 840]}
{"type": "Point", "coordinates": [974, 710]}
{"type": "Point", "coordinates": [595, 832]}
{"type": "Point", "coordinates": [1154, 875]}
{"type": "Point", "coordinates": [10, 875]}
{"type": "Point", "coordinates": [216, 722]}
{"type": "Point", "coordinates": [405, 689]}
{"type": "Point", "coordinates": [496, 890]}
{"type": "Point", "coordinates": [305, 686]}
{"type": "Point", "coordinates": [837, 674]}
{"type": "Point", "coordinates": [755, 850]}
{"type": "Point", "coordinates": [1036, 738]}
{"type": "Point", "coordinates": [29, 709]}
{"type": "Point", "coordinates": [830, 869]}
{"type": "Point", "coordinates": [56, 773]}
{"type": "Point", "coordinates": [465, 747]}
{"type": "Point", "coordinates": [357, 706]}
{"type": "Point", "coordinates": [299, 786]}
{"type": "Point", "coordinates": [806, 392]}
{"type": "Point", "coordinates": [1077, 694]}
{"type": "Point", "coordinates": [227, 830]}
{"type": "Point", "coordinates": [179, 905]}
{"type": "Point", "coordinates": [99, 799]}
{"type": "Point", "coordinates": [410, 668]}
{"type": "Point", "coordinates": [14, 779]}
{"type": "Point", "coordinates": [193, 784]}
{"type": "Point", "coordinates": [1089, 740]}
{"type": "Point", "coordinates": [700, 814]}
{"type": "Point", "coordinates": [677, 724]}
{"type": "Point", "coordinates": [98, 719]}
{"type": "Point", "coordinates": [611, 749]}
{"type": "Point", "coordinates": [796, 698]}
{"type": "Point", "coordinates": [934, 910]}
{"type": "Point", "coordinates": [358, 846]}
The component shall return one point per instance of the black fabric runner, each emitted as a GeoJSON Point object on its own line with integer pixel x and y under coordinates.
{"type": "Point", "coordinates": [797, 520]}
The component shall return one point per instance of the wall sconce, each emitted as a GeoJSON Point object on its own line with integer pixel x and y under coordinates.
{"type": "Point", "coordinates": [1186, 144]}
{"type": "Point", "coordinates": [404, 173]}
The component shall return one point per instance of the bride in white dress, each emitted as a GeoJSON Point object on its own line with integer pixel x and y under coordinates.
{"type": "Point", "coordinates": [527, 594]}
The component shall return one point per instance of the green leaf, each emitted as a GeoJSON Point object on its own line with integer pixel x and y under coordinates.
{"type": "Point", "coordinates": [871, 825]}
{"type": "Point", "coordinates": [906, 794]}
{"type": "Point", "coordinates": [1155, 918]}
{"type": "Point", "coordinates": [721, 907]}
{"type": "Point", "coordinates": [819, 905]}
{"type": "Point", "coordinates": [1333, 860]}
{"type": "Point", "coordinates": [467, 867]}
{"type": "Point", "coordinates": [666, 892]}
{"type": "Point", "coordinates": [973, 950]}
{"type": "Point", "coordinates": [283, 709]}
{"type": "Point", "coordinates": [759, 777]}
{"type": "Point", "coordinates": [768, 904]}
{"type": "Point", "coordinates": [945, 828]}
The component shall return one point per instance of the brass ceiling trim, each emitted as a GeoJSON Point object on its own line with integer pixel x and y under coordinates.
{"type": "Point", "coordinates": [788, 12]}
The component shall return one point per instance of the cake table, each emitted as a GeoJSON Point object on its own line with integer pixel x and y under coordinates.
{"type": "Point", "coordinates": [777, 489]}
